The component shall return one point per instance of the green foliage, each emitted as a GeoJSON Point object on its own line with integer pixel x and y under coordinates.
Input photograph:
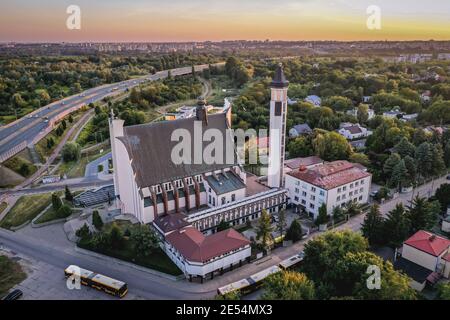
{"type": "Point", "coordinates": [422, 214]}
{"type": "Point", "coordinates": [332, 146]}
{"type": "Point", "coordinates": [234, 295]}
{"type": "Point", "coordinates": [71, 151]}
{"type": "Point", "coordinates": [56, 202]}
{"type": "Point", "coordinates": [97, 220]}
{"type": "Point", "coordinates": [223, 225]}
{"type": "Point", "coordinates": [444, 291]}
{"type": "Point", "coordinates": [281, 224]}
{"type": "Point", "coordinates": [294, 232]}
{"type": "Point", "coordinates": [397, 226]}
{"type": "Point", "coordinates": [300, 147]}
{"type": "Point", "coordinates": [264, 229]}
{"type": "Point", "coordinates": [145, 240]}
{"type": "Point", "coordinates": [443, 195]}
{"type": "Point", "coordinates": [288, 285]}
{"type": "Point", "coordinates": [68, 194]}
{"type": "Point", "coordinates": [322, 217]}
{"type": "Point", "coordinates": [236, 70]}
{"type": "Point", "coordinates": [116, 237]}
{"type": "Point", "coordinates": [64, 211]}
{"type": "Point", "coordinates": [360, 158]}
{"type": "Point", "coordinates": [405, 148]}
{"type": "Point", "coordinates": [83, 233]}
{"type": "Point", "coordinates": [372, 227]}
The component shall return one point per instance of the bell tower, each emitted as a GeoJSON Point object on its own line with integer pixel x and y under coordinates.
{"type": "Point", "coordinates": [277, 134]}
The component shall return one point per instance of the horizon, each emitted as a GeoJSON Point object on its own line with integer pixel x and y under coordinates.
{"type": "Point", "coordinates": [199, 21]}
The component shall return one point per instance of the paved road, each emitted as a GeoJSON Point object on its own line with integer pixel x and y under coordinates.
{"type": "Point", "coordinates": [28, 127]}
{"type": "Point", "coordinates": [92, 167]}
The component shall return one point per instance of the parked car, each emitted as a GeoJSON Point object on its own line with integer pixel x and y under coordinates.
{"type": "Point", "coordinates": [14, 295]}
{"type": "Point", "coordinates": [448, 177]}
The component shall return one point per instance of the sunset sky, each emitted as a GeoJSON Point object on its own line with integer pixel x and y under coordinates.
{"type": "Point", "coordinates": [198, 20]}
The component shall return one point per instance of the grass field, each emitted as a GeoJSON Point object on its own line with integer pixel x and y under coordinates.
{"type": "Point", "coordinates": [16, 163]}
{"type": "Point", "coordinates": [75, 169]}
{"type": "Point", "coordinates": [3, 206]}
{"type": "Point", "coordinates": [11, 273]}
{"type": "Point", "coordinates": [157, 260]}
{"type": "Point", "coordinates": [26, 209]}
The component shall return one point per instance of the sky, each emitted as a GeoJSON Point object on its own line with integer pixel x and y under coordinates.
{"type": "Point", "coordinates": [216, 20]}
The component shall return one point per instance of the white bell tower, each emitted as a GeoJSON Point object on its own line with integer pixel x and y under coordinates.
{"type": "Point", "coordinates": [277, 133]}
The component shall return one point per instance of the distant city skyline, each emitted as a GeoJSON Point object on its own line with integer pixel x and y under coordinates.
{"type": "Point", "coordinates": [214, 20]}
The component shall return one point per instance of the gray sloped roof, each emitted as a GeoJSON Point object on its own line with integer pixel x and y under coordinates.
{"type": "Point", "coordinates": [225, 182]}
{"type": "Point", "coordinates": [150, 147]}
{"type": "Point", "coordinates": [302, 128]}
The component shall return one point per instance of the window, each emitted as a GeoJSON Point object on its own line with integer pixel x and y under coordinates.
{"type": "Point", "coordinates": [209, 190]}
{"type": "Point", "coordinates": [297, 190]}
{"type": "Point", "coordinates": [339, 189]}
{"type": "Point", "coordinates": [147, 202]}
{"type": "Point", "coordinates": [361, 190]}
{"type": "Point", "coordinates": [350, 193]}
{"type": "Point", "coordinates": [313, 198]}
{"type": "Point", "coordinates": [311, 206]}
{"type": "Point", "coordinates": [296, 198]}
{"type": "Point", "coordinates": [303, 202]}
{"type": "Point", "coordinates": [344, 196]}
{"type": "Point", "coordinates": [338, 198]}
{"type": "Point", "coordinates": [304, 193]}
{"type": "Point", "coordinates": [313, 189]}
{"type": "Point", "coordinates": [214, 201]}
{"type": "Point", "coordinates": [351, 185]}
{"type": "Point", "coordinates": [223, 200]}
{"type": "Point", "coordinates": [360, 198]}
{"type": "Point", "coordinates": [322, 193]}
{"type": "Point", "coordinates": [344, 188]}
{"type": "Point", "coordinates": [278, 107]}
{"type": "Point", "coordinates": [356, 183]}
{"type": "Point", "coordinates": [362, 181]}
{"type": "Point", "coordinates": [209, 200]}
{"type": "Point", "coordinates": [233, 197]}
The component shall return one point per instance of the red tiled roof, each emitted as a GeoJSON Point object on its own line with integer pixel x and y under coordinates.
{"type": "Point", "coordinates": [428, 242]}
{"type": "Point", "coordinates": [307, 161]}
{"type": "Point", "coordinates": [331, 175]}
{"type": "Point", "coordinates": [194, 246]}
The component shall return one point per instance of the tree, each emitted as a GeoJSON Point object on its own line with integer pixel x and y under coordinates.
{"type": "Point", "coordinates": [323, 253]}
{"type": "Point", "coordinates": [83, 233]}
{"type": "Point", "coordinates": [68, 194]}
{"type": "Point", "coordinates": [264, 229]}
{"type": "Point", "coordinates": [424, 159]}
{"type": "Point", "coordinates": [396, 226]}
{"type": "Point", "coordinates": [56, 202]}
{"type": "Point", "coordinates": [332, 146]}
{"type": "Point", "coordinates": [116, 237]}
{"type": "Point", "coordinates": [223, 225]}
{"type": "Point", "coordinates": [438, 164]}
{"type": "Point", "coordinates": [300, 147]}
{"type": "Point", "coordinates": [288, 285]}
{"type": "Point", "coordinates": [338, 214]}
{"type": "Point", "coordinates": [411, 168]}
{"type": "Point", "coordinates": [443, 195]}
{"type": "Point", "coordinates": [71, 151]}
{"type": "Point", "coordinates": [64, 211]}
{"type": "Point", "coordinates": [360, 158]}
{"type": "Point", "coordinates": [405, 148]}
{"type": "Point", "coordinates": [25, 169]}
{"type": "Point", "coordinates": [353, 278]}
{"type": "Point", "coordinates": [322, 217]}
{"type": "Point", "coordinates": [294, 232]}
{"type": "Point", "coordinates": [352, 208]}
{"type": "Point", "coordinates": [422, 214]}
{"type": "Point", "coordinates": [281, 224]}
{"type": "Point", "coordinates": [64, 124]}
{"type": "Point", "coordinates": [443, 291]}
{"type": "Point", "coordinates": [97, 220]}
{"type": "Point", "coordinates": [390, 163]}
{"type": "Point", "coordinates": [233, 295]}
{"type": "Point", "coordinates": [70, 118]}
{"type": "Point", "coordinates": [372, 226]}
{"type": "Point", "coordinates": [399, 176]}
{"type": "Point", "coordinates": [362, 113]}
{"type": "Point", "coordinates": [447, 154]}
{"type": "Point", "coordinates": [144, 240]}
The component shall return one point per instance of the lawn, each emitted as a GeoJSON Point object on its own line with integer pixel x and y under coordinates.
{"type": "Point", "coordinates": [26, 209]}
{"type": "Point", "coordinates": [76, 169]}
{"type": "Point", "coordinates": [157, 260]}
{"type": "Point", "coordinates": [3, 206]}
{"type": "Point", "coordinates": [11, 274]}
{"type": "Point", "coordinates": [15, 164]}
{"type": "Point", "coordinates": [50, 215]}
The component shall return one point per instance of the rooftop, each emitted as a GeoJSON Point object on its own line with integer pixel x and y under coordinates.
{"type": "Point", "coordinates": [413, 270]}
{"type": "Point", "coordinates": [171, 222]}
{"type": "Point", "coordinates": [225, 182]}
{"type": "Point", "coordinates": [330, 175]}
{"type": "Point", "coordinates": [150, 148]}
{"type": "Point", "coordinates": [196, 247]}
{"type": "Point", "coordinates": [279, 80]}
{"type": "Point", "coordinates": [428, 242]}
{"type": "Point", "coordinates": [298, 162]}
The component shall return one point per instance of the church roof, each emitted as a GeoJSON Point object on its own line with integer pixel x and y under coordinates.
{"type": "Point", "coordinates": [225, 182]}
{"type": "Point", "coordinates": [149, 147]}
{"type": "Point", "coordinates": [279, 80]}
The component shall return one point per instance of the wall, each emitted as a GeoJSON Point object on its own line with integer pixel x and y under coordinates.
{"type": "Point", "coordinates": [419, 257]}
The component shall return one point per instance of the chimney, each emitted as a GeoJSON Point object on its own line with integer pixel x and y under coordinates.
{"type": "Point", "coordinates": [202, 113]}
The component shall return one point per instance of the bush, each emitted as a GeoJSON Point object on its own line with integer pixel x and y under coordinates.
{"type": "Point", "coordinates": [71, 152]}
{"type": "Point", "coordinates": [294, 231]}
{"type": "Point", "coordinates": [83, 233]}
{"type": "Point", "coordinates": [64, 211]}
{"type": "Point", "coordinates": [68, 194]}
{"type": "Point", "coordinates": [97, 220]}
{"type": "Point", "coordinates": [322, 218]}
{"type": "Point", "coordinates": [56, 202]}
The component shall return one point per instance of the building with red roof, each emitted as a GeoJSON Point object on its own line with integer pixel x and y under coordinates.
{"type": "Point", "coordinates": [429, 251]}
{"type": "Point", "coordinates": [198, 255]}
{"type": "Point", "coordinates": [333, 183]}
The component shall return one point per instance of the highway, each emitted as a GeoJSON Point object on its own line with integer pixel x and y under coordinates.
{"type": "Point", "coordinates": [27, 128]}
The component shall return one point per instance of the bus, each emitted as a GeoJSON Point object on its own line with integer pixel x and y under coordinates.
{"type": "Point", "coordinates": [292, 262]}
{"type": "Point", "coordinates": [254, 282]}
{"type": "Point", "coordinates": [100, 282]}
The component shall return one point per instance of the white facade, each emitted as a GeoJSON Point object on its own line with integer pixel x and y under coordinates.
{"type": "Point", "coordinates": [202, 269]}
{"type": "Point", "coordinates": [348, 134]}
{"type": "Point", "coordinates": [277, 138]}
{"type": "Point", "coordinates": [311, 197]}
